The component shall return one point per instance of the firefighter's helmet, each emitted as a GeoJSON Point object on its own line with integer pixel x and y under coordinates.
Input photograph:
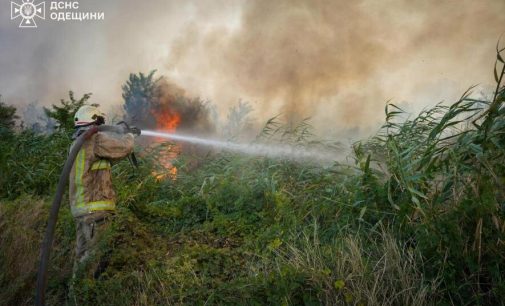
{"type": "Point", "coordinates": [87, 115]}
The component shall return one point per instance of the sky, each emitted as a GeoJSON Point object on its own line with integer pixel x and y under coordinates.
{"type": "Point", "coordinates": [337, 62]}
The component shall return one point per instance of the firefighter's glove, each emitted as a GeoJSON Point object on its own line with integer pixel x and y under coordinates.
{"type": "Point", "coordinates": [134, 130]}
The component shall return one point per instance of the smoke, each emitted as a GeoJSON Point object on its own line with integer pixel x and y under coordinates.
{"type": "Point", "coordinates": [336, 61]}
{"type": "Point", "coordinates": [35, 119]}
{"type": "Point", "coordinates": [294, 53]}
{"type": "Point", "coordinates": [340, 61]}
{"type": "Point", "coordinates": [193, 113]}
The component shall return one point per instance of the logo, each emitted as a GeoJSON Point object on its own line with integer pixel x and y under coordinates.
{"type": "Point", "coordinates": [27, 10]}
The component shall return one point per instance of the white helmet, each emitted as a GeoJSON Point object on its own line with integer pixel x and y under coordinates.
{"type": "Point", "coordinates": [87, 115]}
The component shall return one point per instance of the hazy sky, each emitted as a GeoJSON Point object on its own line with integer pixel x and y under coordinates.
{"type": "Point", "coordinates": [337, 61]}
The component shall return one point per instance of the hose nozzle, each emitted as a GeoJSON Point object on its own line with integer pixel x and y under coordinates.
{"type": "Point", "coordinates": [130, 129]}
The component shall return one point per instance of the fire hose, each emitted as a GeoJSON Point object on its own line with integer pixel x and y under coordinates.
{"type": "Point", "coordinates": [45, 250]}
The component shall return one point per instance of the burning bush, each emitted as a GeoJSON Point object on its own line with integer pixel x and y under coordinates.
{"type": "Point", "coordinates": [159, 104]}
{"type": "Point", "coordinates": [151, 103]}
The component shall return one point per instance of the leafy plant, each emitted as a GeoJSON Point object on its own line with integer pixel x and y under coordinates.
{"type": "Point", "coordinates": [64, 114]}
{"type": "Point", "coordinates": [138, 95]}
{"type": "Point", "coordinates": [7, 117]}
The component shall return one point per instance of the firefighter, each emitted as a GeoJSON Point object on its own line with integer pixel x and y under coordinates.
{"type": "Point", "coordinates": [92, 198]}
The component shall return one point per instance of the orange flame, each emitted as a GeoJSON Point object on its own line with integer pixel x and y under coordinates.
{"type": "Point", "coordinates": [167, 120]}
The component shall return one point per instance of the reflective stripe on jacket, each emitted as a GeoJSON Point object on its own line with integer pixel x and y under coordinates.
{"type": "Point", "coordinates": [90, 187]}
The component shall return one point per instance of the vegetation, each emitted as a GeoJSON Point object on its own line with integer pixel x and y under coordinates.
{"type": "Point", "coordinates": [7, 116]}
{"type": "Point", "coordinates": [64, 114]}
{"type": "Point", "coordinates": [138, 93]}
{"type": "Point", "coordinates": [417, 219]}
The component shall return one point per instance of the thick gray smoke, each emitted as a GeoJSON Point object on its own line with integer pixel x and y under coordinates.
{"type": "Point", "coordinates": [337, 61]}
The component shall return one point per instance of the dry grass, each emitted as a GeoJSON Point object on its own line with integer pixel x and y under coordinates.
{"type": "Point", "coordinates": [22, 225]}
{"type": "Point", "coordinates": [19, 242]}
{"type": "Point", "coordinates": [354, 270]}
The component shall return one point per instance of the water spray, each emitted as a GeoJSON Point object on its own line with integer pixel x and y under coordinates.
{"type": "Point", "coordinates": [297, 153]}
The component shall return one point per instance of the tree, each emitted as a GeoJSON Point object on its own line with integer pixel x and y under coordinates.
{"type": "Point", "coordinates": [7, 116]}
{"type": "Point", "coordinates": [138, 94]}
{"type": "Point", "coordinates": [64, 114]}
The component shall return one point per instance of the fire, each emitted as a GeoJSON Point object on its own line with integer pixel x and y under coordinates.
{"type": "Point", "coordinates": [167, 120]}
{"type": "Point", "coordinates": [165, 159]}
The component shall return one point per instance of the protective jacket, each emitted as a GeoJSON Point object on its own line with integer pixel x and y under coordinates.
{"type": "Point", "coordinates": [90, 178]}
